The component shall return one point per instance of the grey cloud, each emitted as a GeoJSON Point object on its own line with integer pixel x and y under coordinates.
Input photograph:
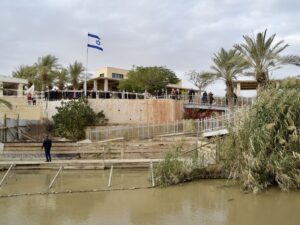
{"type": "Point", "coordinates": [181, 35]}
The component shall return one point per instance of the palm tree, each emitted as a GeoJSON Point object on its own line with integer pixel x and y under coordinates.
{"type": "Point", "coordinates": [46, 66]}
{"type": "Point", "coordinates": [27, 72]}
{"type": "Point", "coordinates": [75, 70]}
{"type": "Point", "coordinates": [62, 78]}
{"type": "Point", "coordinates": [262, 55]}
{"type": "Point", "coordinates": [227, 65]}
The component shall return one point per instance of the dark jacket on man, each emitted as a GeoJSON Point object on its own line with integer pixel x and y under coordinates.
{"type": "Point", "coordinates": [47, 144]}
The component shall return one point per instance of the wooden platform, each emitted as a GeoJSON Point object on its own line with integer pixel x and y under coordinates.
{"type": "Point", "coordinates": [80, 164]}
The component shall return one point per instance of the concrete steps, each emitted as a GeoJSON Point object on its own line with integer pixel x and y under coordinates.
{"type": "Point", "coordinates": [72, 150]}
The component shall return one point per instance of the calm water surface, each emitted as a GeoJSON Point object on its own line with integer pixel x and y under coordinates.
{"type": "Point", "coordinates": [203, 202]}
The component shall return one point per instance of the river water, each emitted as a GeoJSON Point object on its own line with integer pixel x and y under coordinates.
{"type": "Point", "coordinates": [202, 202]}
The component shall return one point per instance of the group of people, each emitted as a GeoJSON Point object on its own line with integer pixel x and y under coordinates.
{"type": "Point", "coordinates": [31, 99]}
{"type": "Point", "coordinates": [206, 98]}
{"type": "Point", "coordinates": [175, 93]}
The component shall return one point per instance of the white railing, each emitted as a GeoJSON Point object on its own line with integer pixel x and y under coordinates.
{"type": "Point", "coordinates": [148, 131]}
{"type": "Point", "coordinates": [222, 121]}
{"type": "Point", "coordinates": [145, 131]}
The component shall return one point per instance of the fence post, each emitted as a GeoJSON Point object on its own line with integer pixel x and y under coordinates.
{"type": "Point", "coordinates": [110, 176]}
{"type": "Point", "coordinates": [152, 173]}
{"type": "Point", "coordinates": [5, 175]}
{"type": "Point", "coordinates": [60, 169]}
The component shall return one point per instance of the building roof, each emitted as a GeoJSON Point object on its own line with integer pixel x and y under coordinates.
{"type": "Point", "coordinates": [250, 84]}
{"type": "Point", "coordinates": [8, 79]}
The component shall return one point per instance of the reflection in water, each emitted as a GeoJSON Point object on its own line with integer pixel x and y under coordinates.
{"type": "Point", "coordinates": [202, 202]}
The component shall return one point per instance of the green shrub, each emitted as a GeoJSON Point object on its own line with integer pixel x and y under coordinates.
{"type": "Point", "coordinates": [174, 169]}
{"type": "Point", "coordinates": [73, 117]}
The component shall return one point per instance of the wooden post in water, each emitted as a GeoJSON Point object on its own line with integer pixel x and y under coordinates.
{"type": "Point", "coordinates": [5, 175]}
{"type": "Point", "coordinates": [110, 176]}
{"type": "Point", "coordinates": [52, 182]}
{"type": "Point", "coordinates": [152, 174]}
{"type": "Point", "coordinates": [18, 129]}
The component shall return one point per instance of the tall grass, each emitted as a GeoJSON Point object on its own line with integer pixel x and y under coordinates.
{"type": "Point", "coordinates": [264, 149]}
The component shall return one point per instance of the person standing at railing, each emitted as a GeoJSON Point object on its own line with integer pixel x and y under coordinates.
{"type": "Point", "coordinates": [173, 93]}
{"type": "Point", "coordinates": [191, 94]}
{"type": "Point", "coordinates": [204, 98]}
{"type": "Point", "coordinates": [210, 98]}
{"type": "Point", "coordinates": [177, 94]}
{"type": "Point", "coordinates": [34, 99]}
{"type": "Point", "coordinates": [29, 98]}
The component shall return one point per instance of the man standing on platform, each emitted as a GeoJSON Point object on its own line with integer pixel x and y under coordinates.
{"type": "Point", "coordinates": [47, 144]}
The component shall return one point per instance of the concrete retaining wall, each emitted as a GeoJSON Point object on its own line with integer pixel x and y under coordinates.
{"type": "Point", "coordinates": [126, 111]}
{"type": "Point", "coordinates": [118, 111]}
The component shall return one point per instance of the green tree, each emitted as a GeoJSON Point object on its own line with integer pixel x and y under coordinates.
{"type": "Point", "coordinates": [263, 55]}
{"type": "Point", "coordinates": [73, 117]}
{"type": "Point", "coordinates": [148, 78]}
{"type": "Point", "coordinates": [75, 70]}
{"type": "Point", "coordinates": [62, 77]}
{"type": "Point", "coordinates": [29, 73]}
{"type": "Point", "coordinates": [46, 66]}
{"type": "Point", "coordinates": [227, 65]}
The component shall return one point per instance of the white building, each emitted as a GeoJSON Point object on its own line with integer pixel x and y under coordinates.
{"type": "Point", "coordinates": [12, 86]}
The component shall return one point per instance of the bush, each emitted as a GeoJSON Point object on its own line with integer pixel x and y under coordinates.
{"type": "Point", "coordinates": [264, 149]}
{"type": "Point", "coordinates": [73, 117]}
{"type": "Point", "coordinates": [173, 169]}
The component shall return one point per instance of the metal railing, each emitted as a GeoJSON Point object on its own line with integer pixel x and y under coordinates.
{"type": "Point", "coordinates": [148, 131]}
{"type": "Point", "coordinates": [56, 95]}
{"type": "Point", "coordinates": [197, 100]}
{"type": "Point", "coordinates": [221, 122]}
{"type": "Point", "coordinates": [145, 131]}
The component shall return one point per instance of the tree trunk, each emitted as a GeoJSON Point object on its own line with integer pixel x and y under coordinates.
{"type": "Point", "coordinates": [230, 94]}
{"type": "Point", "coordinates": [262, 81]}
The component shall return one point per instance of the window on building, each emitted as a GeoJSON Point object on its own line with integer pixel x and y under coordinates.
{"type": "Point", "coordinates": [101, 75]}
{"type": "Point", "coordinates": [117, 75]}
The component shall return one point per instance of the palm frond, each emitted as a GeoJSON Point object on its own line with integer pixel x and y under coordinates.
{"type": "Point", "coordinates": [6, 103]}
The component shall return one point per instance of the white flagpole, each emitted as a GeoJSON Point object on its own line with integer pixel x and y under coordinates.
{"type": "Point", "coordinates": [86, 69]}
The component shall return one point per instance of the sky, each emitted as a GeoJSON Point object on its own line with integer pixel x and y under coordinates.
{"type": "Point", "coordinates": [181, 35]}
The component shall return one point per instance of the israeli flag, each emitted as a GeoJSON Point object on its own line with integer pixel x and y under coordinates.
{"type": "Point", "coordinates": [94, 42]}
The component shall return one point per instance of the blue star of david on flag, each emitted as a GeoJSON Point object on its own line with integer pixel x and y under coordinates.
{"type": "Point", "coordinates": [94, 42]}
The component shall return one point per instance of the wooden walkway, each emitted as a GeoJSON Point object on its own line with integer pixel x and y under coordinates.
{"type": "Point", "coordinates": [80, 164]}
